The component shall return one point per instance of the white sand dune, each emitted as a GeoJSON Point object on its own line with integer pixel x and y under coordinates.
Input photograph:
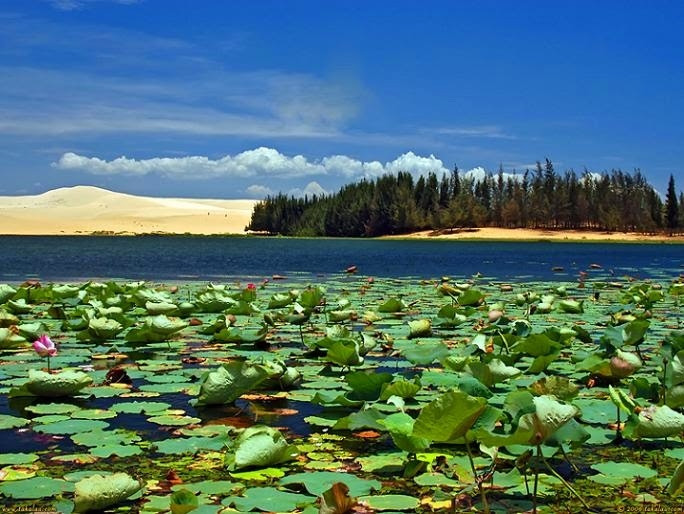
{"type": "Point", "coordinates": [86, 209]}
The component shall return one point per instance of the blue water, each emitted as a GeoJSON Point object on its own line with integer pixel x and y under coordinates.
{"type": "Point", "coordinates": [180, 258]}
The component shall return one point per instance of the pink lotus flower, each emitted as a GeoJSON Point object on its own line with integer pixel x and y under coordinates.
{"type": "Point", "coordinates": [251, 287]}
{"type": "Point", "coordinates": [45, 347]}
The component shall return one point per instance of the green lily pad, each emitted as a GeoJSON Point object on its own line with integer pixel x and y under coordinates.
{"type": "Point", "coordinates": [318, 482]}
{"type": "Point", "coordinates": [260, 446]}
{"type": "Point", "coordinates": [72, 426]}
{"type": "Point", "coordinates": [17, 458]}
{"type": "Point", "coordinates": [391, 502]}
{"type": "Point", "coordinates": [99, 492]}
{"type": "Point", "coordinates": [35, 488]}
{"type": "Point", "coordinates": [53, 408]}
{"type": "Point", "coordinates": [7, 421]}
{"type": "Point", "coordinates": [173, 420]}
{"type": "Point", "coordinates": [53, 385]}
{"type": "Point", "coordinates": [268, 499]}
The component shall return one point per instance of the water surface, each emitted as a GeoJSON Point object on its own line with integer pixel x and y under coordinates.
{"type": "Point", "coordinates": [61, 258]}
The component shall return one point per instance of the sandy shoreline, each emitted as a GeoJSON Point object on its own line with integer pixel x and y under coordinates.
{"type": "Point", "coordinates": [86, 210]}
{"type": "Point", "coordinates": [528, 234]}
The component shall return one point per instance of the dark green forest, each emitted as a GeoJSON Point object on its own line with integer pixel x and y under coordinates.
{"type": "Point", "coordinates": [539, 198]}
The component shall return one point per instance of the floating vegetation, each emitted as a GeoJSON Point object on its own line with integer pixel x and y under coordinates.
{"type": "Point", "coordinates": [350, 395]}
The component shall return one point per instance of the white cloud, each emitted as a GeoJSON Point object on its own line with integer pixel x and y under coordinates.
{"type": "Point", "coordinates": [311, 189]}
{"type": "Point", "coordinates": [202, 101]}
{"type": "Point", "coordinates": [479, 173]}
{"type": "Point", "coordinates": [481, 131]}
{"type": "Point", "coordinates": [259, 162]}
{"type": "Point", "coordinates": [416, 165]}
{"type": "Point", "coordinates": [258, 191]}
{"type": "Point", "coordinates": [71, 5]}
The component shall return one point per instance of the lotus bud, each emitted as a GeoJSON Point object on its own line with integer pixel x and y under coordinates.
{"type": "Point", "coordinates": [494, 315]}
{"type": "Point", "coordinates": [624, 364]}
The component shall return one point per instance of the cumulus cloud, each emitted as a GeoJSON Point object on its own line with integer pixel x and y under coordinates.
{"type": "Point", "coordinates": [258, 191]}
{"type": "Point", "coordinates": [258, 162]}
{"type": "Point", "coordinates": [311, 189]}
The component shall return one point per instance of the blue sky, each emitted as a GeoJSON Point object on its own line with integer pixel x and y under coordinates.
{"type": "Point", "coordinates": [238, 99]}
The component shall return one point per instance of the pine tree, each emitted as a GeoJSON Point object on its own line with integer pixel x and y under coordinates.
{"type": "Point", "coordinates": [671, 207]}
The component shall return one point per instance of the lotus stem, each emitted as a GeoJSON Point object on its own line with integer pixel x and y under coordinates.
{"type": "Point", "coordinates": [536, 480]}
{"type": "Point", "coordinates": [565, 456]}
{"type": "Point", "coordinates": [301, 335]}
{"type": "Point", "coordinates": [568, 486]}
{"type": "Point", "coordinates": [483, 494]}
{"type": "Point", "coordinates": [48, 359]}
{"type": "Point", "coordinates": [665, 380]}
{"type": "Point", "coordinates": [527, 484]}
{"type": "Point", "coordinates": [618, 432]}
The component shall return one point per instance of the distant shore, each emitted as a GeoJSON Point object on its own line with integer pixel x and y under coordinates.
{"type": "Point", "coordinates": [85, 210]}
{"type": "Point", "coordinates": [529, 234]}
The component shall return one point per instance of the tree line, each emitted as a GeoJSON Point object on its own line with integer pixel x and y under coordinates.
{"type": "Point", "coordinates": [541, 198]}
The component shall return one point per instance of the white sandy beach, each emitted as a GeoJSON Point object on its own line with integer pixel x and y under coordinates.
{"type": "Point", "coordinates": [86, 209]}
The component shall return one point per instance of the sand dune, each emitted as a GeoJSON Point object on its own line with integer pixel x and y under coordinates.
{"type": "Point", "coordinates": [86, 209]}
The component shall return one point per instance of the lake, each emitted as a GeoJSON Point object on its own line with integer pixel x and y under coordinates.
{"type": "Point", "coordinates": [64, 258]}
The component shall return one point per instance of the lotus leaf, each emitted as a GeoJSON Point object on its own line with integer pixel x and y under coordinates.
{"type": "Point", "coordinates": [259, 446]}
{"type": "Point", "coordinates": [560, 387]}
{"type": "Point", "coordinates": [19, 306]}
{"type": "Point", "coordinates": [392, 305]}
{"type": "Point", "coordinates": [449, 417]}
{"type": "Point", "coordinates": [34, 488]}
{"type": "Point", "coordinates": [311, 297]}
{"type": "Point", "coordinates": [391, 502]}
{"type": "Point", "coordinates": [235, 335]}
{"type": "Point", "coordinates": [155, 308]}
{"type": "Point", "coordinates": [422, 354]}
{"type": "Point", "coordinates": [156, 329]}
{"type": "Point", "coordinates": [548, 417]}
{"type": "Point", "coordinates": [7, 421]}
{"type": "Point", "coordinates": [183, 501]}
{"type": "Point", "coordinates": [8, 339]}
{"type": "Point", "coordinates": [317, 482]}
{"type": "Point", "coordinates": [340, 316]}
{"type": "Point", "coordinates": [420, 328]}
{"type": "Point", "coordinates": [675, 370]}
{"type": "Point", "coordinates": [344, 353]}
{"type": "Point", "coordinates": [7, 319]}
{"type": "Point", "coordinates": [280, 300]}
{"type": "Point", "coordinates": [100, 492]}
{"type": "Point", "coordinates": [676, 485]}
{"type": "Point", "coordinates": [470, 297]}
{"type": "Point", "coordinates": [6, 292]}
{"type": "Point", "coordinates": [104, 328]}
{"type": "Point", "coordinates": [629, 334]}
{"type": "Point", "coordinates": [400, 427]}
{"type": "Point", "coordinates": [401, 388]}
{"type": "Point", "coordinates": [367, 386]}
{"type": "Point", "coordinates": [654, 422]}
{"type": "Point", "coordinates": [493, 372]}
{"type": "Point", "coordinates": [54, 385]}
{"type": "Point", "coordinates": [229, 382]}
{"type": "Point", "coordinates": [571, 306]}
{"type": "Point", "coordinates": [268, 499]}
